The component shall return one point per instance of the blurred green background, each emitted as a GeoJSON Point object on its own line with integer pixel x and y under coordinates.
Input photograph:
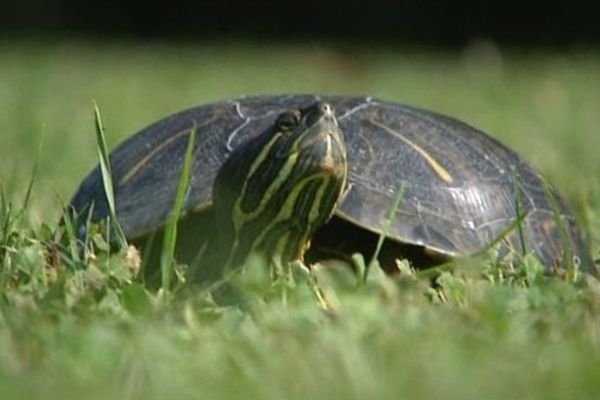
{"type": "Point", "coordinates": [543, 103]}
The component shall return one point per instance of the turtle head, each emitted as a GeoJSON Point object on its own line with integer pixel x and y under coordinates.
{"type": "Point", "coordinates": [275, 190]}
{"type": "Point", "coordinates": [312, 138]}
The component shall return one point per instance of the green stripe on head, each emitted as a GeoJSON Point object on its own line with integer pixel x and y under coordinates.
{"type": "Point", "coordinates": [273, 192]}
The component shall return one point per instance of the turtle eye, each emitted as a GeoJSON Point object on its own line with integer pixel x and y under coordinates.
{"type": "Point", "coordinates": [288, 120]}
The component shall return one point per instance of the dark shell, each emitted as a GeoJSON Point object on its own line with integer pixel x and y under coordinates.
{"type": "Point", "coordinates": [458, 183]}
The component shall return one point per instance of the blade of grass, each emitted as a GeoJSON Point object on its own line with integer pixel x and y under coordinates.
{"type": "Point", "coordinates": [86, 239]}
{"type": "Point", "coordinates": [107, 178]}
{"type": "Point", "coordinates": [5, 217]}
{"type": "Point", "coordinates": [69, 225]}
{"type": "Point", "coordinates": [6, 221]}
{"type": "Point", "coordinates": [519, 210]}
{"type": "Point", "coordinates": [170, 235]}
{"type": "Point", "coordinates": [388, 223]}
{"type": "Point", "coordinates": [147, 251]}
{"type": "Point", "coordinates": [562, 232]}
{"type": "Point", "coordinates": [34, 172]}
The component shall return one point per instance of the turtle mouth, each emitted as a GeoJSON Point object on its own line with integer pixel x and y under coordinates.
{"type": "Point", "coordinates": [333, 150]}
{"type": "Point", "coordinates": [328, 163]}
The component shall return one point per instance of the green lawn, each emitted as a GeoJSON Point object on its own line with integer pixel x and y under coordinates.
{"type": "Point", "coordinates": [87, 328]}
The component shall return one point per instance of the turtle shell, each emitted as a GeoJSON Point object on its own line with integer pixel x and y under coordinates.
{"type": "Point", "coordinates": [459, 186]}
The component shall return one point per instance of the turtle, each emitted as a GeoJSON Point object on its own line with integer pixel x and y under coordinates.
{"type": "Point", "coordinates": [255, 186]}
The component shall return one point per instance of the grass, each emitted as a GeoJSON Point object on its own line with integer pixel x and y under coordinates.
{"type": "Point", "coordinates": [74, 325]}
{"type": "Point", "coordinates": [104, 162]}
{"type": "Point", "coordinates": [170, 239]}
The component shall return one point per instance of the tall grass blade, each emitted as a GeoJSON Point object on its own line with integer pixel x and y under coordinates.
{"type": "Point", "coordinates": [5, 220]}
{"type": "Point", "coordinates": [170, 235]}
{"type": "Point", "coordinates": [5, 215]}
{"type": "Point", "coordinates": [86, 239]}
{"type": "Point", "coordinates": [519, 210]}
{"type": "Point", "coordinates": [146, 253]}
{"type": "Point", "coordinates": [562, 232]}
{"type": "Point", "coordinates": [388, 223]}
{"type": "Point", "coordinates": [34, 173]}
{"type": "Point", "coordinates": [518, 222]}
{"type": "Point", "coordinates": [107, 178]}
{"type": "Point", "coordinates": [69, 225]}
